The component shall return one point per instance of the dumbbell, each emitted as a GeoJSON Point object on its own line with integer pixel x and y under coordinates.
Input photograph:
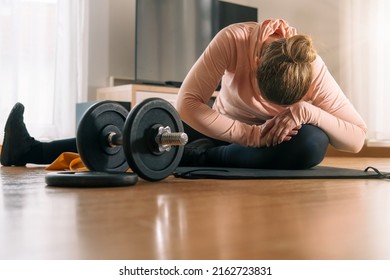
{"type": "Point", "coordinates": [149, 140]}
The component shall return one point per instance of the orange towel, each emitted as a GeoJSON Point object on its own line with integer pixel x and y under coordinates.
{"type": "Point", "coordinates": [68, 161]}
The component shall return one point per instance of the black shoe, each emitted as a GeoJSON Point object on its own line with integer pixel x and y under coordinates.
{"type": "Point", "coordinates": [17, 141]}
{"type": "Point", "coordinates": [195, 152]}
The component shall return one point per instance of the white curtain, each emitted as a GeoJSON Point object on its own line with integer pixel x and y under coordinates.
{"type": "Point", "coordinates": [43, 63]}
{"type": "Point", "coordinates": [366, 71]}
{"type": "Point", "coordinates": [71, 78]}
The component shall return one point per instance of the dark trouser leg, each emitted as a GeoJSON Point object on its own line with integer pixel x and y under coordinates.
{"type": "Point", "coordinates": [304, 150]}
{"type": "Point", "coordinates": [47, 152]}
{"type": "Point", "coordinates": [198, 144]}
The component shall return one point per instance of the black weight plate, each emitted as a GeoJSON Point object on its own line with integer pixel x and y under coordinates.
{"type": "Point", "coordinates": [91, 179]}
{"type": "Point", "coordinates": [92, 145]}
{"type": "Point", "coordinates": [137, 138]}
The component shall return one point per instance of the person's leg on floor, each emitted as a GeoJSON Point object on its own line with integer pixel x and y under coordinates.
{"type": "Point", "coordinates": [195, 149]}
{"type": "Point", "coordinates": [19, 148]}
{"type": "Point", "coordinates": [303, 151]}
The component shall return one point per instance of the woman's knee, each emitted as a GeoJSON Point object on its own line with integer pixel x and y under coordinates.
{"type": "Point", "coordinates": [310, 147]}
{"type": "Point", "coordinates": [303, 151]}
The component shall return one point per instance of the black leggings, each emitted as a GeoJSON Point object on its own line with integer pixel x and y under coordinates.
{"type": "Point", "coordinates": [303, 151]}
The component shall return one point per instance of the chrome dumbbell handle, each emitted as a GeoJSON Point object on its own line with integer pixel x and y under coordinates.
{"type": "Point", "coordinates": [165, 139]}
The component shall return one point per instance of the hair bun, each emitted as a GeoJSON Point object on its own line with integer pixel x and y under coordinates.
{"type": "Point", "coordinates": [299, 49]}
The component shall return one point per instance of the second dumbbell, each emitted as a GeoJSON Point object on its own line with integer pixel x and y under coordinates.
{"type": "Point", "coordinates": [149, 139]}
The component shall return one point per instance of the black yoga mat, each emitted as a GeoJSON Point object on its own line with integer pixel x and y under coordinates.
{"type": "Point", "coordinates": [318, 172]}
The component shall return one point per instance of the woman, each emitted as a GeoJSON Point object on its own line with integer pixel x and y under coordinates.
{"type": "Point", "coordinates": [278, 106]}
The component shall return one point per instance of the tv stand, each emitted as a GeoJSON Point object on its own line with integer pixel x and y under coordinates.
{"type": "Point", "coordinates": [135, 93]}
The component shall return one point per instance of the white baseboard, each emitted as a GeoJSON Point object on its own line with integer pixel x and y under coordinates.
{"type": "Point", "coordinates": [378, 143]}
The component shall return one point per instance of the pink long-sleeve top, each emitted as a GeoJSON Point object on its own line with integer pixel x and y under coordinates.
{"type": "Point", "coordinates": [239, 109]}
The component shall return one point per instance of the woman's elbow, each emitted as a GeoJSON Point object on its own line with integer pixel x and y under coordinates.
{"type": "Point", "coordinates": [181, 108]}
{"type": "Point", "coordinates": [357, 148]}
{"type": "Point", "coordinates": [358, 144]}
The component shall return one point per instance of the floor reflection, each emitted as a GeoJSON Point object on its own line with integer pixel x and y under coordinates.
{"type": "Point", "coordinates": [34, 220]}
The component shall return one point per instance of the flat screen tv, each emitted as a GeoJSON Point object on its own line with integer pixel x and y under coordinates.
{"type": "Point", "coordinates": [172, 34]}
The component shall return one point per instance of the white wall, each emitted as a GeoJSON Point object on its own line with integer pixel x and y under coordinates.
{"type": "Point", "coordinates": [112, 33]}
{"type": "Point", "coordinates": [98, 50]}
{"type": "Point", "coordinates": [320, 19]}
{"type": "Point", "coordinates": [111, 42]}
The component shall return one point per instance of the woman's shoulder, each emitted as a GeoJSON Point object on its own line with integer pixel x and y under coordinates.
{"type": "Point", "coordinates": [248, 25]}
{"type": "Point", "coordinates": [324, 86]}
{"type": "Point", "coordinates": [241, 30]}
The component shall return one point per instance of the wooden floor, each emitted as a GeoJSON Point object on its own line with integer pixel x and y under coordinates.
{"type": "Point", "coordinates": [197, 219]}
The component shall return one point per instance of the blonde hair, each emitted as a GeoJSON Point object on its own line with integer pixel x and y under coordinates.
{"type": "Point", "coordinates": [285, 73]}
